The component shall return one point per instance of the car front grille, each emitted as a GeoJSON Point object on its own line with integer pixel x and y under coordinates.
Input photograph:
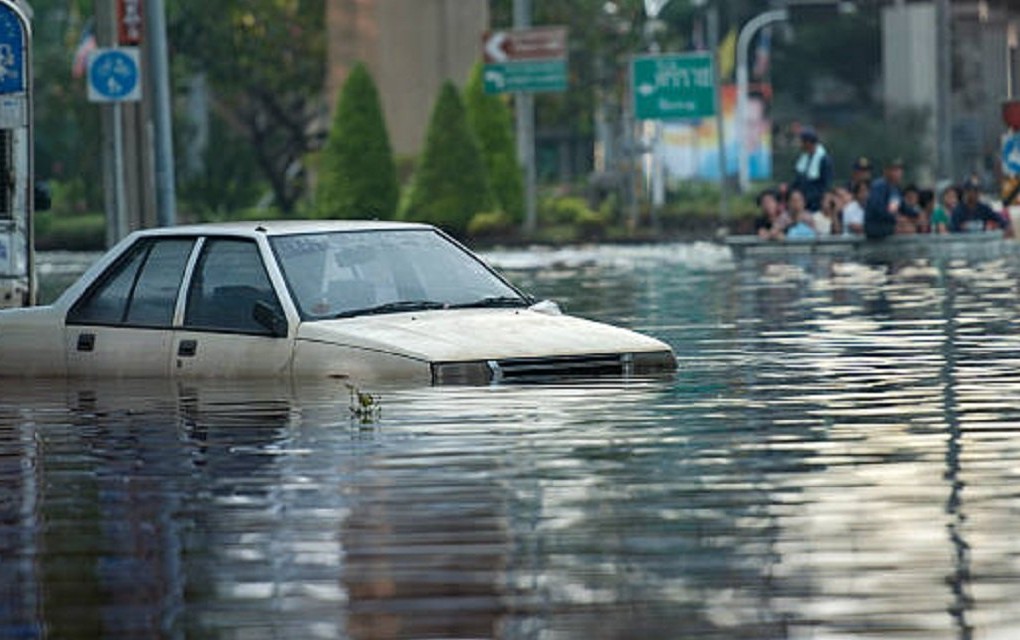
{"type": "Point", "coordinates": [553, 368]}
{"type": "Point", "coordinates": [586, 366]}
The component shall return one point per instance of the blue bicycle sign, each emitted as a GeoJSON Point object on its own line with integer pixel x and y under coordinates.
{"type": "Point", "coordinates": [114, 75]}
{"type": "Point", "coordinates": [12, 51]}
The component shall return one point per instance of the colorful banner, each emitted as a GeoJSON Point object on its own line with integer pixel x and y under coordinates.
{"type": "Point", "coordinates": [690, 150]}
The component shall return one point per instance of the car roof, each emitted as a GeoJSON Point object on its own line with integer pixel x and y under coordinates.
{"type": "Point", "coordinates": [281, 227]}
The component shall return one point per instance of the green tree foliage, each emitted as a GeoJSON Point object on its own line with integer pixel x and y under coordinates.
{"type": "Point", "coordinates": [357, 177]}
{"type": "Point", "coordinates": [450, 185]}
{"type": "Point", "coordinates": [67, 130]}
{"type": "Point", "coordinates": [265, 61]}
{"type": "Point", "coordinates": [489, 119]}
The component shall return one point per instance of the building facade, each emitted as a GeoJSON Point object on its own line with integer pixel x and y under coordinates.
{"type": "Point", "coordinates": [983, 59]}
{"type": "Point", "coordinates": [411, 47]}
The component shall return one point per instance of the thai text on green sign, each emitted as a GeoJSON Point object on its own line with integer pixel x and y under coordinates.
{"type": "Point", "coordinates": [673, 86]}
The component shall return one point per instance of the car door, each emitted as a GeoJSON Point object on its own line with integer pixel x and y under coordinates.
{"type": "Point", "coordinates": [122, 326]}
{"type": "Point", "coordinates": [233, 323]}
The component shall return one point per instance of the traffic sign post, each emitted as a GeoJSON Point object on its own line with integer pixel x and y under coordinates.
{"type": "Point", "coordinates": [17, 258]}
{"type": "Point", "coordinates": [673, 86]}
{"type": "Point", "coordinates": [114, 75]}
{"type": "Point", "coordinates": [526, 60]}
{"type": "Point", "coordinates": [532, 77]}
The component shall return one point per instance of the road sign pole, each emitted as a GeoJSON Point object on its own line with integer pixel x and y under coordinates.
{"type": "Point", "coordinates": [524, 105]}
{"type": "Point", "coordinates": [166, 198]}
{"type": "Point", "coordinates": [121, 222]}
{"type": "Point", "coordinates": [713, 45]}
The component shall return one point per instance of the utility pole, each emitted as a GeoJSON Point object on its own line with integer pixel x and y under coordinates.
{"type": "Point", "coordinates": [944, 89]}
{"type": "Point", "coordinates": [155, 41]}
{"type": "Point", "coordinates": [524, 105]}
{"type": "Point", "coordinates": [713, 46]}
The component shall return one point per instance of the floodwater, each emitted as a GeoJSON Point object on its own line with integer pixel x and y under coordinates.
{"type": "Point", "coordinates": [838, 456]}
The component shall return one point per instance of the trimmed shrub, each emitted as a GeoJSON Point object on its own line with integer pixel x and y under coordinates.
{"type": "Point", "coordinates": [490, 121]}
{"type": "Point", "coordinates": [80, 232]}
{"type": "Point", "coordinates": [450, 185]}
{"type": "Point", "coordinates": [357, 174]}
{"type": "Point", "coordinates": [491, 225]}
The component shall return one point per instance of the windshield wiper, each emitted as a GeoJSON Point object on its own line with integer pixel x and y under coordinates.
{"type": "Point", "coordinates": [493, 302]}
{"type": "Point", "coordinates": [394, 307]}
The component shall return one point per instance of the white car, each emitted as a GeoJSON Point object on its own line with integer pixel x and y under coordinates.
{"type": "Point", "coordinates": [358, 301]}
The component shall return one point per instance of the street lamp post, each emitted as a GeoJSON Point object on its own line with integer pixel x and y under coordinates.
{"type": "Point", "coordinates": [743, 46]}
{"type": "Point", "coordinates": [748, 32]}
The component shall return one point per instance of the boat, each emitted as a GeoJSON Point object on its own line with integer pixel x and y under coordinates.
{"type": "Point", "coordinates": [981, 244]}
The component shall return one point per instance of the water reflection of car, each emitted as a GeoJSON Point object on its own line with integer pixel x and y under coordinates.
{"type": "Point", "coordinates": [344, 300]}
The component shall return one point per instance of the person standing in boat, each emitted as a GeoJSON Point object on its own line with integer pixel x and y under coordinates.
{"type": "Point", "coordinates": [884, 201]}
{"type": "Point", "coordinates": [860, 171]}
{"type": "Point", "coordinates": [973, 215]}
{"type": "Point", "coordinates": [813, 170]}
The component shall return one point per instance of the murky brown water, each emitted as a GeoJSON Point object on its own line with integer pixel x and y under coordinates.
{"type": "Point", "coordinates": [838, 457]}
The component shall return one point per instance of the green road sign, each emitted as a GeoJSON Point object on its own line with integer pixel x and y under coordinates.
{"type": "Point", "coordinates": [529, 76]}
{"type": "Point", "coordinates": [673, 86]}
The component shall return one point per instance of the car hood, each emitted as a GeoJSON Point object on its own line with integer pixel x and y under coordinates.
{"type": "Point", "coordinates": [478, 334]}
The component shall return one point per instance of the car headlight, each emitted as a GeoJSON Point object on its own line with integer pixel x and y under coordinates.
{"type": "Point", "coordinates": [464, 373]}
{"type": "Point", "coordinates": [652, 362]}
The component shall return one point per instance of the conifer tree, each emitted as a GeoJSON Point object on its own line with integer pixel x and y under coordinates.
{"type": "Point", "coordinates": [358, 177]}
{"type": "Point", "coordinates": [490, 120]}
{"type": "Point", "coordinates": [450, 185]}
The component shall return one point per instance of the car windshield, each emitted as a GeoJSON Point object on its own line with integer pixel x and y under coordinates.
{"type": "Point", "coordinates": [343, 274]}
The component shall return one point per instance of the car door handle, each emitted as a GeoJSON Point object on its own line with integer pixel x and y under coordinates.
{"type": "Point", "coordinates": [187, 348]}
{"type": "Point", "coordinates": [86, 341]}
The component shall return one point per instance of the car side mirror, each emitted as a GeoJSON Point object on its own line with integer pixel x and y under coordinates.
{"type": "Point", "coordinates": [270, 318]}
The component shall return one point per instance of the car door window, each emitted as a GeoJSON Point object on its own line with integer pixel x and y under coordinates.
{"type": "Point", "coordinates": [229, 280]}
{"type": "Point", "coordinates": [138, 291]}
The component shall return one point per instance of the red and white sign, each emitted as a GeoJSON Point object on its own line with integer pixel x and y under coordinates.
{"type": "Point", "coordinates": [129, 22]}
{"type": "Point", "coordinates": [542, 43]}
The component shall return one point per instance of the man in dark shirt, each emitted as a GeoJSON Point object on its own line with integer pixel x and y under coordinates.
{"type": "Point", "coordinates": [973, 215]}
{"type": "Point", "coordinates": [813, 170]}
{"type": "Point", "coordinates": [884, 201]}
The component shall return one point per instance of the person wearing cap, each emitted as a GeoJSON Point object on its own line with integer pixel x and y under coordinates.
{"type": "Point", "coordinates": [973, 215]}
{"type": "Point", "coordinates": [860, 171]}
{"type": "Point", "coordinates": [884, 201]}
{"type": "Point", "coordinates": [813, 170]}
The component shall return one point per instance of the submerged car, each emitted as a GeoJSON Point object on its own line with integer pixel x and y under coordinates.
{"type": "Point", "coordinates": [347, 300]}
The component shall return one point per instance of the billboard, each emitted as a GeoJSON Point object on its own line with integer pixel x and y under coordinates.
{"type": "Point", "coordinates": [690, 151]}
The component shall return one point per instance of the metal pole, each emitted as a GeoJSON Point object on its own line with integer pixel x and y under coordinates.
{"type": "Point", "coordinates": [752, 27]}
{"type": "Point", "coordinates": [713, 46]}
{"type": "Point", "coordinates": [121, 223]}
{"type": "Point", "coordinates": [524, 105]}
{"type": "Point", "coordinates": [944, 89]}
{"type": "Point", "coordinates": [166, 198]}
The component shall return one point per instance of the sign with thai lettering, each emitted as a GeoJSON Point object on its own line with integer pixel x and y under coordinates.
{"type": "Point", "coordinates": [525, 60]}
{"type": "Point", "coordinates": [673, 86]}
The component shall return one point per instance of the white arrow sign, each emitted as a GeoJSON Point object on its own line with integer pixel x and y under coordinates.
{"type": "Point", "coordinates": [494, 51]}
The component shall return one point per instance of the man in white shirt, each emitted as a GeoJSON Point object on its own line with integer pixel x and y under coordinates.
{"type": "Point", "coordinates": [853, 209]}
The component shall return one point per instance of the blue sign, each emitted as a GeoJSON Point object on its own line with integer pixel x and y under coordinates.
{"type": "Point", "coordinates": [114, 75]}
{"type": "Point", "coordinates": [12, 51]}
{"type": "Point", "coordinates": [1011, 153]}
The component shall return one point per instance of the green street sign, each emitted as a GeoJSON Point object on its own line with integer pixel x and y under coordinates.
{"type": "Point", "coordinates": [673, 86]}
{"type": "Point", "coordinates": [528, 76]}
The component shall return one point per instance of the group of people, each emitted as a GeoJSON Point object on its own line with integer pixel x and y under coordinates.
{"type": "Point", "coordinates": [811, 206]}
